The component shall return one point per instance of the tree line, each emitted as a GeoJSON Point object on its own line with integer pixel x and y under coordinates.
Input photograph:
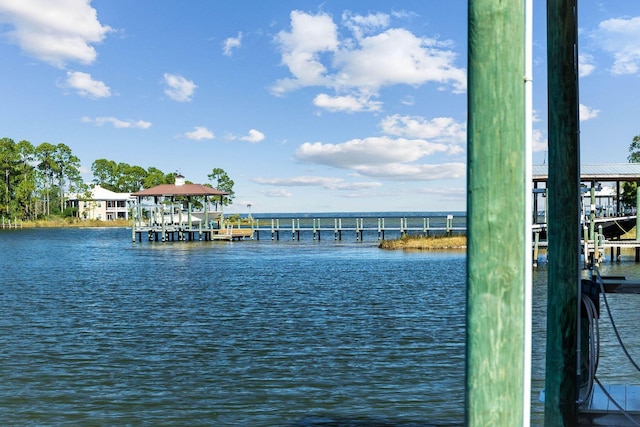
{"type": "Point", "coordinates": [629, 189]}
{"type": "Point", "coordinates": [36, 180]}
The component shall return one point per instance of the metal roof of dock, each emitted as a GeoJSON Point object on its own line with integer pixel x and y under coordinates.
{"type": "Point", "coordinates": [604, 172]}
{"type": "Point", "coordinates": [180, 190]}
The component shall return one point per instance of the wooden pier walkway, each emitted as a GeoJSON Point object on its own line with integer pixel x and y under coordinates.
{"type": "Point", "coordinates": [158, 233]}
{"type": "Point", "coordinates": [295, 228]}
{"type": "Point", "coordinates": [377, 226]}
{"type": "Point", "coordinates": [8, 224]}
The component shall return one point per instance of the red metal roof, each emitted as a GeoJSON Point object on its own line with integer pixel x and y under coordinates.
{"type": "Point", "coordinates": [180, 190]}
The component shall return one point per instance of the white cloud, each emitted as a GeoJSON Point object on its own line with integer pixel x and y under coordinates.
{"type": "Point", "coordinates": [54, 31]}
{"type": "Point", "coordinates": [199, 133]}
{"type": "Point", "coordinates": [414, 172]}
{"type": "Point", "coordinates": [369, 151]}
{"type": "Point", "coordinates": [360, 25]}
{"type": "Point", "coordinates": [317, 181]}
{"type": "Point", "coordinates": [179, 88]}
{"type": "Point", "coordinates": [587, 113]}
{"type": "Point", "coordinates": [254, 136]}
{"type": "Point", "coordinates": [439, 129]}
{"type": "Point", "coordinates": [348, 103]}
{"type": "Point", "coordinates": [231, 43]}
{"type": "Point", "coordinates": [86, 86]}
{"type": "Point", "coordinates": [539, 141]}
{"type": "Point", "coordinates": [400, 158]}
{"type": "Point", "coordinates": [117, 123]}
{"type": "Point", "coordinates": [310, 36]}
{"type": "Point", "coordinates": [408, 100]}
{"type": "Point", "coordinates": [398, 57]}
{"type": "Point", "coordinates": [278, 192]}
{"type": "Point", "coordinates": [445, 193]}
{"type": "Point", "coordinates": [619, 37]}
{"type": "Point", "coordinates": [315, 56]}
{"type": "Point", "coordinates": [585, 64]}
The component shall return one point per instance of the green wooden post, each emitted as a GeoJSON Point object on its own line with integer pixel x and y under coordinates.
{"type": "Point", "coordinates": [496, 218]}
{"type": "Point", "coordinates": [206, 212]}
{"type": "Point", "coordinates": [592, 212]}
{"type": "Point", "coordinates": [133, 220]}
{"type": "Point", "coordinates": [637, 208]}
{"type": "Point", "coordinates": [564, 213]}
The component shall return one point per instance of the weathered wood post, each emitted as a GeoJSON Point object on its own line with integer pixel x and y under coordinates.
{"type": "Point", "coordinates": [637, 208]}
{"type": "Point", "coordinates": [314, 229]}
{"type": "Point", "coordinates": [637, 258]}
{"type": "Point", "coordinates": [189, 217]}
{"type": "Point", "coordinates": [206, 213]}
{"type": "Point", "coordinates": [561, 381]}
{"type": "Point", "coordinates": [496, 219]}
{"type": "Point", "coordinates": [133, 220]}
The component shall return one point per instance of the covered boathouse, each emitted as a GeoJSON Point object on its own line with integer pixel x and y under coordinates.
{"type": "Point", "coordinates": [179, 211]}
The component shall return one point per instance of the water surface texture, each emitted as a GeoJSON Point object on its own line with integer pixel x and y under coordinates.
{"type": "Point", "coordinates": [96, 330]}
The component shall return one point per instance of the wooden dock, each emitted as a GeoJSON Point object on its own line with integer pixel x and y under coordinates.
{"type": "Point", "coordinates": [294, 229]}
{"type": "Point", "coordinates": [339, 228]}
{"type": "Point", "coordinates": [6, 224]}
{"type": "Point", "coordinates": [612, 405]}
{"type": "Point", "coordinates": [158, 233]}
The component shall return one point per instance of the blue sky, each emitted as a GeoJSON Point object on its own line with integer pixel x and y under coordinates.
{"type": "Point", "coordinates": [309, 106]}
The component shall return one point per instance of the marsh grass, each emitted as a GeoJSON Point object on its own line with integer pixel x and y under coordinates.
{"type": "Point", "coordinates": [74, 222]}
{"type": "Point", "coordinates": [437, 243]}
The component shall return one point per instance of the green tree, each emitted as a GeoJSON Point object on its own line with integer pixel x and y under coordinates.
{"type": "Point", "coordinates": [634, 150]}
{"type": "Point", "coordinates": [67, 171]}
{"type": "Point", "coordinates": [26, 188]}
{"type": "Point", "coordinates": [131, 178]}
{"type": "Point", "coordinates": [221, 181]}
{"type": "Point", "coordinates": [629, 188]}
{"type": "Point", "coordinates": [48, 170]}
{"type": "Point", "coordinates": [9, 159]}
{"type": "Point", "coordinates": [105, 173]}
{"type": "Point", "coordinates": [154, 177]}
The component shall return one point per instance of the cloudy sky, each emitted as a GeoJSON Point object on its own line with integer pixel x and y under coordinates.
{"type": "Point", "coordinates": [309, 106]}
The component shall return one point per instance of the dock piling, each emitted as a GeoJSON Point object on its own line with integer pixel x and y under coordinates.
{"type": "Point", "coordinates": [496, 224]}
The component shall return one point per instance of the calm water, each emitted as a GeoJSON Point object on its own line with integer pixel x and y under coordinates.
{"type": "Point", "coordinates": [96, 330]}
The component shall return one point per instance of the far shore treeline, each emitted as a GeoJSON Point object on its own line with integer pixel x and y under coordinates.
{"type": "Point", "coordinates": [36, 180]}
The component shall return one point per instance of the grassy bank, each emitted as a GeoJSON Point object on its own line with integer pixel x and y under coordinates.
{"type": "Point", "coordinates": [426, 243]}
{"type": "Point", "coordinates": [74, 222]}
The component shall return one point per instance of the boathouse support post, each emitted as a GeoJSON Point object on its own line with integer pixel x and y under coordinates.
{"type": "Point", "coordinates": [592, 212]}
{"type": "Point", "coordinates": [206, 213]}
{"type": "Point", "coordinates": [561, 390]}
{"type": "Point", "coordinates": [134, 218]}
{"type": "Point", "coordinates": [637, 208]}
{"type": "Point", "coordinates": [497, 219]}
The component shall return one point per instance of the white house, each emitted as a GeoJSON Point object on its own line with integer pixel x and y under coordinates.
{"type": "Point", "coordinates": [102, 204]}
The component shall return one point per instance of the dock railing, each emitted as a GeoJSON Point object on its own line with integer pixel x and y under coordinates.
{"type": "Point", "coordinates": [278, 228]}
{"type": "Point", "coordinates": [8, 224]}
